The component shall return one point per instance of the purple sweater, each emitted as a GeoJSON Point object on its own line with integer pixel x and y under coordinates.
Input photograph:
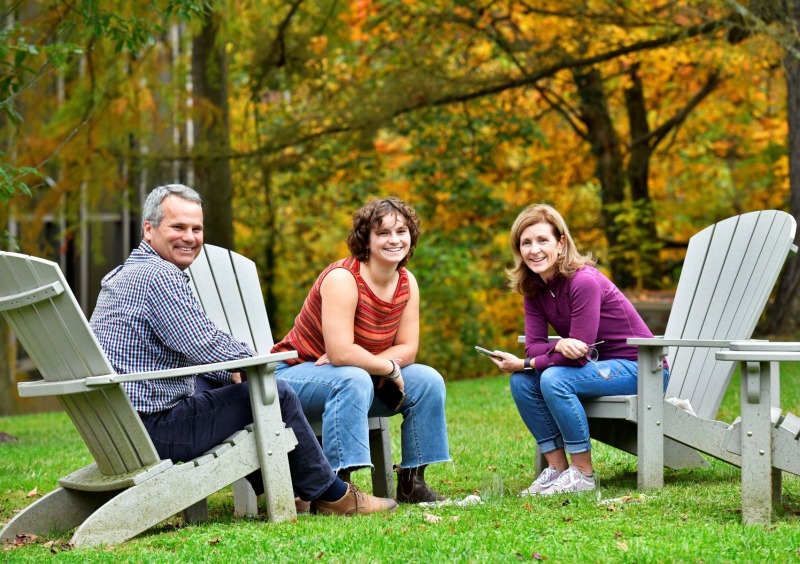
{"type": "Point", "coordinates": [587, 306]}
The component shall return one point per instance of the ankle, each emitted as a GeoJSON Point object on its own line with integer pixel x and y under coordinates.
{"type": "Point", "coordinates": [336, 491]}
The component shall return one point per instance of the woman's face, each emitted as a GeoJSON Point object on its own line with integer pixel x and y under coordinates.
{"type": "Point", "coordinates": [540, 249]}
{"type": "Point", "coordinates": [391, 241]}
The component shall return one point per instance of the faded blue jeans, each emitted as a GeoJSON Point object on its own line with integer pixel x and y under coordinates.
{"type": "Point", "coordinates": [549, 401]}
{"type": "Point", "coordinates": [342, 397]}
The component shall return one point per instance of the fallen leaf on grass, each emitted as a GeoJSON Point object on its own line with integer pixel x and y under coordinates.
{"type": "Point", "coordinates": [214, 541]}
{"type": "Point", "coordinates": [622, 545]}
{"type": "Point", "coordinates": [537, 556]}
{"type": "Point", "coordinates": [33, 493]}
{"type": "Point", "coordinates": [24, 538]}
{"type": "Point", "coordinates": [625, 499]}
{"type": "Point", "coordinates": [320, 555]}
{"type": "Point", "coordinates": [429, 518]}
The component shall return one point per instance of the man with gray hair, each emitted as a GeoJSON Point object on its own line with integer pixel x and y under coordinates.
{"type": "Point", "coordinates": [148, 319]}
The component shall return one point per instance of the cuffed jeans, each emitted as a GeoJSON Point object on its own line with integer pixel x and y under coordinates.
{"type": "Point", "coordinates": [549, 401]}
{"type": "Point", "coordinates": [202, 421]}
{"type": "Point", "coordinates": [342, 397]}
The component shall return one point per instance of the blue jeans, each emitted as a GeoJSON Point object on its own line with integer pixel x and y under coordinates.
{"type": "Point", "coordinates": [202, 421]}
{"type": "Point", "coordinates": [343, 397]}
{"type": "Point", "coordinates": [549, 401]}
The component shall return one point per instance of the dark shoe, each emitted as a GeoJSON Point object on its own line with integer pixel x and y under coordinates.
{"type": "Point", "coordinates": [354, 502]}
{"type": "Point", "coordinates": [411, 486]}
{"type": "Point", "coordinates": [301, 506]}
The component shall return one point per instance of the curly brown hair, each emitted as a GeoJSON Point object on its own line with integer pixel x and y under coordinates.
{"type": "Point", "coordinates": [370, 216]}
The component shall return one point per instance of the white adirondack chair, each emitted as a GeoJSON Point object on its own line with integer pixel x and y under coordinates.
{"type": "Point", "coordinates": [729, 272]}
{"type": "Point", "coordinates": [228, 288]}
{"type": "Point", "coordinates": [127, 489]}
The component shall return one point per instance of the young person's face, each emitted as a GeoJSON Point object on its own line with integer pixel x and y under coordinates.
{"type": "Point", "coordinates": [179, 237]}
{"type": "Point", "coordinates": [540, 249]}
{"type": "Point", "coordinates": [391, 241]}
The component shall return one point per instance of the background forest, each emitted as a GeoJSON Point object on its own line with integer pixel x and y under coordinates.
{"type": "Point", "coordinates": [642, 121]}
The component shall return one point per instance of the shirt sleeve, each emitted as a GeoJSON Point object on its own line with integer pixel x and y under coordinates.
{"type": "Point", "coordinates": [177, 320]}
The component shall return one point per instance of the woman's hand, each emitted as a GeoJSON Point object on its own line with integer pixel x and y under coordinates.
{"type": "Point", "coordinates": [322, 360]}
{"type": "Point", "coordinates": [507, 362]}
{"type": "Point", "coordinates": [572, 348]}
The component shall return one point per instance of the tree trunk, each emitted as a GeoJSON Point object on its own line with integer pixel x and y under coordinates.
{"type": "Point", "coordinates": [784, 314]}
{"type": "Point", "coordinates": [606, 150]}
{"type": "Point", "coordinates": [649, 270]}
{"type": "Point", "coordinates": [212, 133]}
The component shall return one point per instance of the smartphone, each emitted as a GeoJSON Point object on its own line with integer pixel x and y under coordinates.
{"type": "Point", "coordinates": [487, 352]}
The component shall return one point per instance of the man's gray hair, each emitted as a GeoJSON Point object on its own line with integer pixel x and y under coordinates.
{"type": "Point", "coordinates": [152, 211]}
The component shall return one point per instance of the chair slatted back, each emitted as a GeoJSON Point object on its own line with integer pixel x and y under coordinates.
{"type": "Point", "coordinates": [728, 275]}
{"type": "Point", "coordinates": [56, 335]}
{"type": "Point", "coordinates": [227, 286]}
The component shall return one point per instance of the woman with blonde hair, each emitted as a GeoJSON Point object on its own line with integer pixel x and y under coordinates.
{"type": "Point", "coordinates": [562, 288]}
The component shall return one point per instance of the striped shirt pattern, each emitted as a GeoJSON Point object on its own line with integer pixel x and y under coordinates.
{"type": "Point", "coordinates": [147, 318]}
{"type": "Point", "coordinates": [376, 321]}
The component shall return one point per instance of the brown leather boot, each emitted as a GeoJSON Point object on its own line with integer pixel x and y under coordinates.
{"type": "Point", "coordinates": [354, 502]}
{"type": "Point", "coordinates": [411, 486]}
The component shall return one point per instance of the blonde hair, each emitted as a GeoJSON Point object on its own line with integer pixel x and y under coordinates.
{"type": "Point", "coordinates": [522, 279]}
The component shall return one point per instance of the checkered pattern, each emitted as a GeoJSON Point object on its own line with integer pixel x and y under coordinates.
{"type": "Point", "coordinates": [147, 318]}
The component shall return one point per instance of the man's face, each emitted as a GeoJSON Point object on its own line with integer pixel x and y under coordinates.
{"type": "Point", "coordinates": [179, 237]}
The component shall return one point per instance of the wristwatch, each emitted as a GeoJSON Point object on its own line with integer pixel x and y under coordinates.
{"type": "Point", "coordinates": [527, 364]}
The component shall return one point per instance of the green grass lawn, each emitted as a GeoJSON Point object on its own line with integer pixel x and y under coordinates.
{"type": "Point", "coordinates": [695, 518]}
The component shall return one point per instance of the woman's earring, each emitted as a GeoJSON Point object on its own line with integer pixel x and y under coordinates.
{"type": "Point", "coordinates": [366, 258]}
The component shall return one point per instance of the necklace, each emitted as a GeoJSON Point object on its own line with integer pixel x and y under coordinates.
{"type": "Point", "coordinates": [372, 277]}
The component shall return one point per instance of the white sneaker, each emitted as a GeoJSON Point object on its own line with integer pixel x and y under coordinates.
{"type": "Point", "coordinates": [546, 479]}
{"type": "Point", "coordinates": [571, 480]}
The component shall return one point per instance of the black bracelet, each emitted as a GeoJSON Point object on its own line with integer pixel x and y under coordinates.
{"type": "Point", "coordinates": [527, 364]}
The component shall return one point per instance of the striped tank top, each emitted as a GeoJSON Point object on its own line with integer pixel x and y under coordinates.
{"type": "Point", "coordinates": [376, 321]}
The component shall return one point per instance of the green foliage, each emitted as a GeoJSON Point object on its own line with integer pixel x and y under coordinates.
{"type": "Point", "coordinates": [11, 179]}
{"type": "Point", "coordinates": [693, 518]}
{"type": "Point", "coordinates": [633, 242]}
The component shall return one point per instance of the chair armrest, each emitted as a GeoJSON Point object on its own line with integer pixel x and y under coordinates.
{"type": "Point", "coordinates": [31, 389]}
{"type": "Point", "coordinates": [661, 342]}
{"type": "Point", "coordinates": [761, 351]}
{"type": "Point", "coordinates": [229, 365]}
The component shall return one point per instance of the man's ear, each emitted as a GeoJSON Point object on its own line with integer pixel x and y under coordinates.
{"type": "Point", "coordinates": [146, 229]}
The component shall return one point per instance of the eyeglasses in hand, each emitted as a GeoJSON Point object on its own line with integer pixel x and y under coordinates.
{"type": "Point", "coordinates": [603, 368]}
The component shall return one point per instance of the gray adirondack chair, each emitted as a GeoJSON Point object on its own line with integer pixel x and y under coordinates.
{"type": "Point", "coordinates": [127, 489]}
{"type": "Point", "coordinates": [230, 294]}
{"type": "Point", "coordinates": [729, 272]}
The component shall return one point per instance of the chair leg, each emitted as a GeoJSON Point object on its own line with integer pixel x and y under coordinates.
{"type": "Point", "coordinates": [245, 502]}
{"type": "Point", "coordinates": [540, 462]}
{"type": "Point", "coordinates": [650, 428]}
{"type": "Point", "coordinates": [758, 477]}
{"type": "Point", "coordinates": [380, 448]}
{"type": "Point", "coordinates": [196, 513]}
{"type": "Point", "coordinates": [60, 510]}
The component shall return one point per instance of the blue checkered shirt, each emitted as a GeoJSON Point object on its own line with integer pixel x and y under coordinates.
{"type": "Point", "coordinates": [147, 318]}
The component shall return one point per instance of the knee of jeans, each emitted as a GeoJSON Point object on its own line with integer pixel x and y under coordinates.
{"type": "Point", "coordinates": [551, 383]}
{"type": "Point", "coordinates": [428, 379]}
{"type": "Point", "coordinates": [520, 385]}
{"type": "Point", "coordinates": [355, 383]}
